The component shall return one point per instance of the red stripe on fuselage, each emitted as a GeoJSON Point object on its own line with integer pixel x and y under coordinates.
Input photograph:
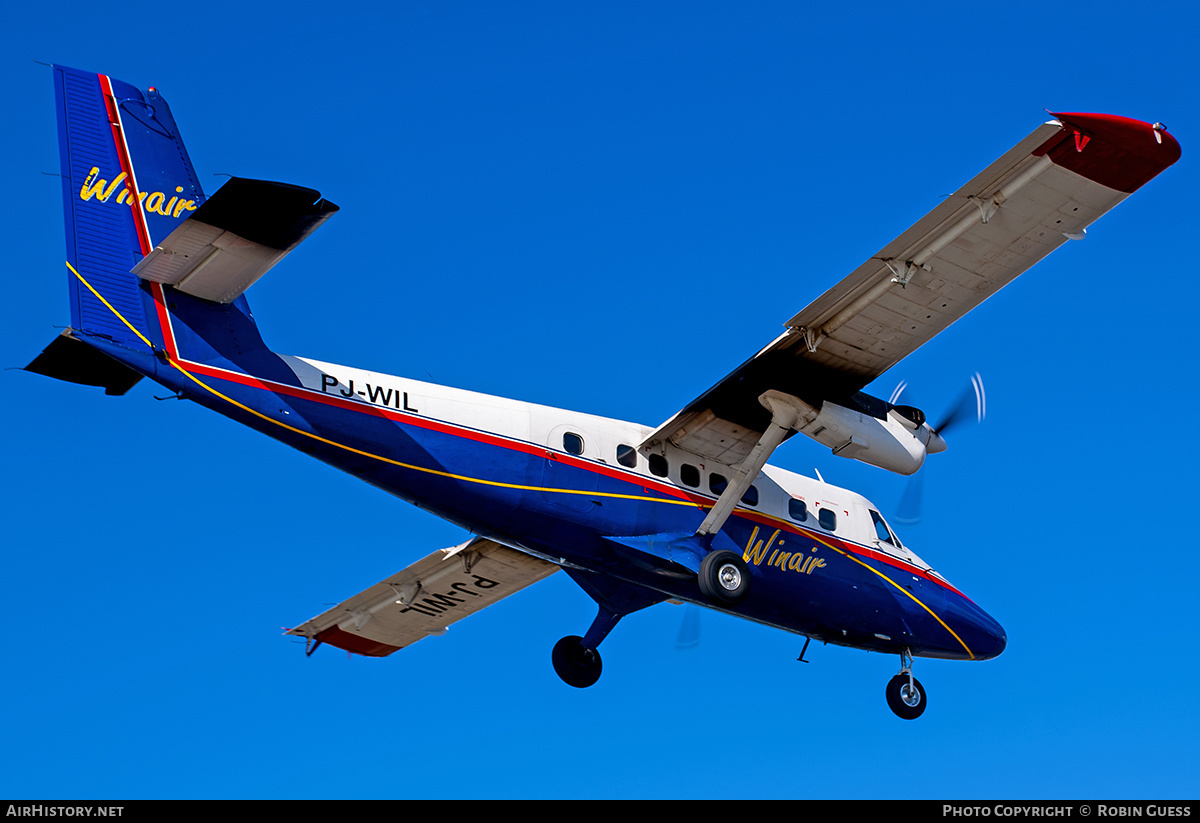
{"type": "Point", "coordinates": [164, 318]}
{"type": "Point", "coordinates": [488, 438]}
{"type": "Point", "coordinates": [647, 484]}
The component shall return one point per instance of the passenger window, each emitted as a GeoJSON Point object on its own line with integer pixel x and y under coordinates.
{"type": "Point", "coordinates": [690, 475]}
{"type": "Point", "coordinates": [658, 465]}
{"type": "Point", "coordinates": [828, 519]}
{"type": "Point", "coordinates": [572, 443]}
{"type": "Point", "coordinates": [797, 510]}
{"type": "Point", "coordinates": [627, 456]}
{"type": "Point", "coordinates": [750, 498]}
{"type": "Point", "coordinates": [717, 484]}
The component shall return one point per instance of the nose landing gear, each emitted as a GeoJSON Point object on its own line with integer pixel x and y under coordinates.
{"type": "Point", "coordinates": [577, 659]}
{"type": "Point", "coordinates": [575, 663]}
{"type": "Point", "coordinates": [905, 694]}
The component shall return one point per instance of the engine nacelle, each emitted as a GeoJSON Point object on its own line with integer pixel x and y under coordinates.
{"type": "Point", "coordinates": [912, 417]}
{"type": "Point", "coordinates": [898, 442]}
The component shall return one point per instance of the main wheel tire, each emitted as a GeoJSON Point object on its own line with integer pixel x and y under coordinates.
{"type": "Point", "coordinates": [576, 664]}
{"type": "Point", "coordinates": [906, 697]}
{"type": "Point", "coordinates": [724, 578]}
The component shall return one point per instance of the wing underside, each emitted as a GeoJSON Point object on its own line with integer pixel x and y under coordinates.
{"type": "Point", "coordinates": [1046, 190]}
{"type": "Point", "coordinates": [425, 598]}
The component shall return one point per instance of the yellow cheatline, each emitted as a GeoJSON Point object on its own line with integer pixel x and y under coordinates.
{"type": "Point", "coordinates": [353, 450]}
{"type": "Point", "coordinates": [100, 297]}
{"type": "Point", "coordinates": [905, 591]}
{"type": "Point", "coordinates": [464, 478]}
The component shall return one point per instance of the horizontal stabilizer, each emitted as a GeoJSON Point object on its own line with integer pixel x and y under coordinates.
{"type": "Point", "coordinates": [425, 598]}
{"type": "Point", "coordinates": [234, 238]}
{"type": "Point", "coordinates": [76, 362]}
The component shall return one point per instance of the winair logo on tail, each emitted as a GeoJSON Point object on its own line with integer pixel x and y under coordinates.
{"type": "Point", "coordinates": [797, 561]}
{"type": "Point", "coordinates": [154, 202]}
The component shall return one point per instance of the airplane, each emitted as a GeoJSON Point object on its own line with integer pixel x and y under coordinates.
{"type": "Point", "coordinates": [689, 511]}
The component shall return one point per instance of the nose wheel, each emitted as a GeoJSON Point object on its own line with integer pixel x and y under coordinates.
{"type": "Point", "coordinates": [905, 694]}
{"type": "Point", "coordinates": [575, 663]}
{"type": "Point", "coordinates": [577, 659]}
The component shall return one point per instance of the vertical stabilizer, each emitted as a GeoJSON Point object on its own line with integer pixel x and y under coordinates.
{"type": "Point", "coordinates": [127, 183]}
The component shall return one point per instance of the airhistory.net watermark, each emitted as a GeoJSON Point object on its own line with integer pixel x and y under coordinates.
{"type": "Point", "coordinates": [50, 810]}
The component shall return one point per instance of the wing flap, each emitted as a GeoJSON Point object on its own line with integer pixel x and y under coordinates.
{"type": "Point", "coordinates": [425, 598]}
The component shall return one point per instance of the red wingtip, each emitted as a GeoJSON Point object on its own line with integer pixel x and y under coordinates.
{"type": "Point", "coordinates": [1118, 152]}
{"type": "Point", "coordinates": [356, 644]}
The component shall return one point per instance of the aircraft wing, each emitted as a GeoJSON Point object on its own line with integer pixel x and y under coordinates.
{"type": "Point", "coordinates": [425, 598]}
{"type": "Point", "coordinates": [1049, 188]}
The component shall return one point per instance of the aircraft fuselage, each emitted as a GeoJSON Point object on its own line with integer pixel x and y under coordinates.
{"type": "Point", "coordinates": [573, 489]}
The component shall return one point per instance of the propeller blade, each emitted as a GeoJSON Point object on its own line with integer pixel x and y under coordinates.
{"type": "Point", "coordinates": [689, 629]}
{"type": "Point", "coordinates": [963, 407]}
{"type": "Point", "coordinates": [908, 510]}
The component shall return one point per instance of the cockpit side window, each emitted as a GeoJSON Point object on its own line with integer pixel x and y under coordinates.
{"type": "Point", "coordinates": [881, 529]}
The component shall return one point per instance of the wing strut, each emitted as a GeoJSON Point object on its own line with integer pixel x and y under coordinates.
{"type": "Point", "coordinates": [787, 413]}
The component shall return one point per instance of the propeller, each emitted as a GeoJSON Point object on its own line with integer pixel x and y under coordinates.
{"type": "Point", "coordinates": [908, 511]}
{"type": "Point", "coordinates": [689, 628]}
{"type": "Point", "coordinates": [962, 408]}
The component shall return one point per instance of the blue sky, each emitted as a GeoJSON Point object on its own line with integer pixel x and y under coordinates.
{"type": "Point", "coordinates": [605, 209]}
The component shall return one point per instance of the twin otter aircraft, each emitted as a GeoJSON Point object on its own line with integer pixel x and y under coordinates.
{"type": "Point", "coordinates": [688, 511]}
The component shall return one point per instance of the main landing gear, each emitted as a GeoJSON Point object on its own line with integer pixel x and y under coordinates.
{"type": "Point", "coordinates": [905, 694]}
{"type": "Point", "coordinates": [724, 578]}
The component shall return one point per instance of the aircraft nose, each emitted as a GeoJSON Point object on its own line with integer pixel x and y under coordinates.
{"type": "Point", "coordinates": [988, 638]}
{"type": "Point", "coordinates": [995, 640]}
{"type": "Point", "coordinates": [977, 633]}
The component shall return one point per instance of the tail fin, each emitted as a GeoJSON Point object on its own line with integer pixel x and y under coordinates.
{"type": "Point", "coordinates": [127, 183]}
{"type": "Point", "coordinates": [157, 270]}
